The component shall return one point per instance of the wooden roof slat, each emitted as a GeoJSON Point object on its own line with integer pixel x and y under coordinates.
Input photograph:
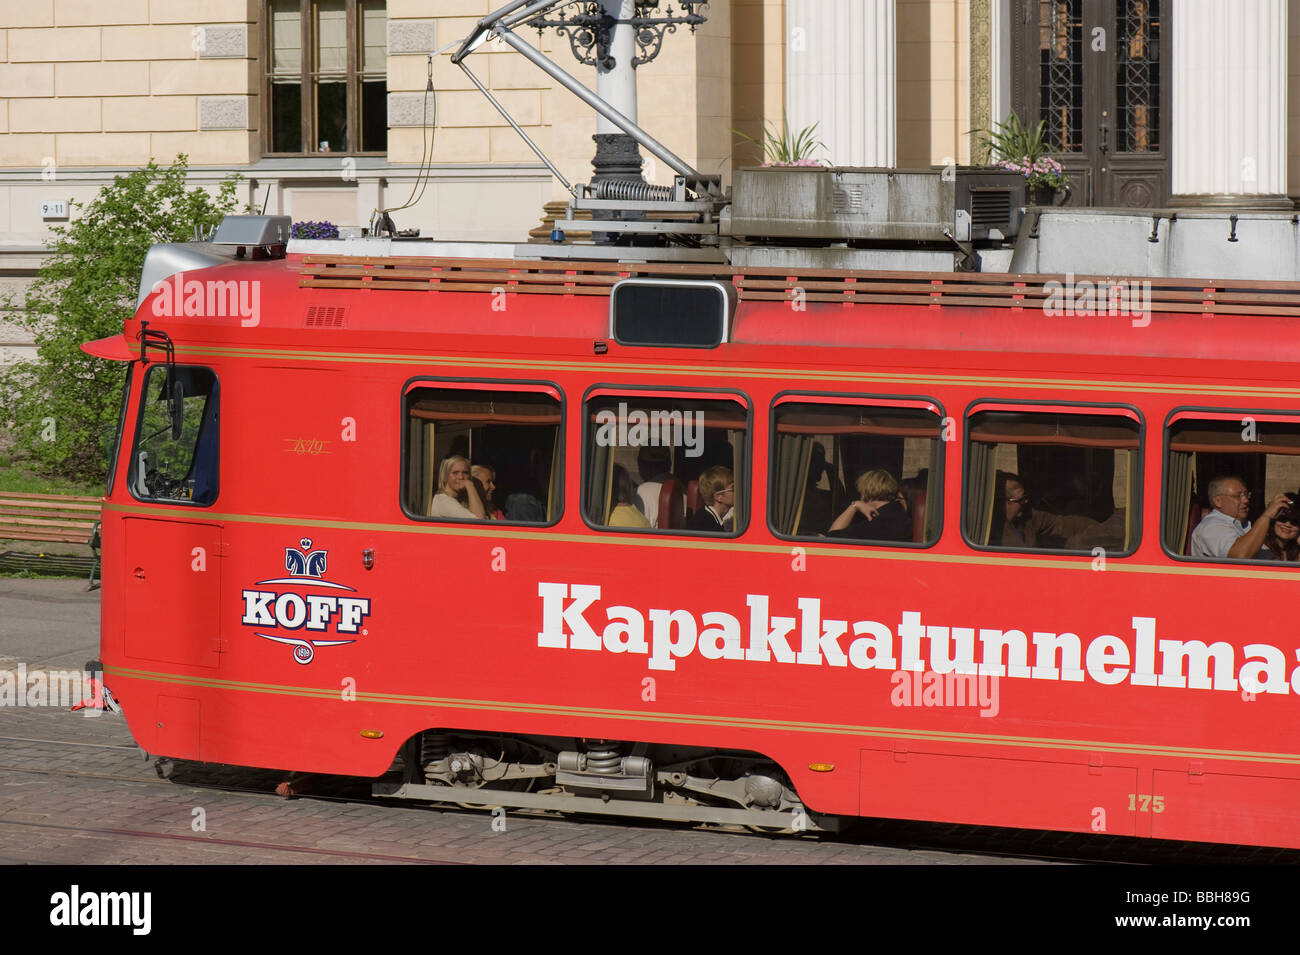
{"type": "Point", "coordinates": [773, 283]}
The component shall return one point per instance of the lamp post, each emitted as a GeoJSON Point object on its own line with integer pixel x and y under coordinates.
{"type": "Point", "coordinates": [617, 36]}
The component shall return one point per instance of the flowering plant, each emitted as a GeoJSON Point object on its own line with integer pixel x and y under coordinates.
{"type": "Point", "coordinates": [1043, 171]}
{"type": "Point", "coordinates": [1011, 145]}
{"type": "Point", "coordinates": [314, 230]}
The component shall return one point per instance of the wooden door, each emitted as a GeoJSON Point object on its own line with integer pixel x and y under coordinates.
{"type": "Point", "coordinates": [1096, 71]}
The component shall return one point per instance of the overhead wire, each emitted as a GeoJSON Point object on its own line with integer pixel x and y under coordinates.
{"type": "Point", "coordinates": [424, 170]}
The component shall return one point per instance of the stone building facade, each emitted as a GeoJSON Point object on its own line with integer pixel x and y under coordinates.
{"type": "Point", "coordinates": [322, 105]}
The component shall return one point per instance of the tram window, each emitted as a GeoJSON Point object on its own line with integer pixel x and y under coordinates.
{"type": "Point", "coordinates": [114, 444]}
{"type": "Point", "coordinates": [1053, 480]}
{"type": "Point", "coordinates": [184, 468]}
{"type": "Point", "coordinates": [1261, 451]}
{"type": "Point", "coordinates": [835, 464]}
{"type": "Point", "coordinates": [509, 441]}
{"type": "Point", "coordinates": [666, 463]}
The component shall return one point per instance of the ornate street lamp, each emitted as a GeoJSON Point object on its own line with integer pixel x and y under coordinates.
{"type": "Point", "coordinates": [617, 36]}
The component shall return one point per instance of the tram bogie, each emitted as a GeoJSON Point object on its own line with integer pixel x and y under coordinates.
{"type": "Point", "coordinates": [569, 775]}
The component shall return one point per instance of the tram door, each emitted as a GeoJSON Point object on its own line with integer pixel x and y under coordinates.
{"type": "Point", "coordinates": [170, 604]}
{"type": "Point", "coordinates": [1096, 72]}
{"type": "Point", "coordinates": [171, 578]}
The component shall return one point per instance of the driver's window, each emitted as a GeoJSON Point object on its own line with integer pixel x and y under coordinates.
{"type": "Point", "coordinates": [176, 446]}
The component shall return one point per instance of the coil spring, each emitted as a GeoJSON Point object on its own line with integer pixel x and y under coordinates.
{"type": "Point", "coordinates": [603, 756]}
{"type": "Point", "coordinates": [434, 747]}
{"type": "Point", "coordinates": [632, 190]}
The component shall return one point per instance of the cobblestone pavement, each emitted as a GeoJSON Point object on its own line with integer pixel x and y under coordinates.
{"type": "Point", "coordinates": [77, 790]}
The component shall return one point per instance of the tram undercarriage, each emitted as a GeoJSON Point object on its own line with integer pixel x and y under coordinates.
{"type": "Point", "coordinates": [598, 776]}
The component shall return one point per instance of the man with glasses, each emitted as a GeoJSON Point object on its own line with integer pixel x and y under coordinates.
{"type": "Point", "coordinates": [1225, 531]}
{"type": "Point", "coordinates": [1026, 526]}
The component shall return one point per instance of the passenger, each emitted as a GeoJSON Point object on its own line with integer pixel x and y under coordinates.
{"type": "Point", "coordinates": [654, 464]}
{"type": "Point", "coordinates": [879, 513]}
{"type": "Point", "coordinates": [485, 482]}
{"type": "Point", "coordinates": [457, 496]}
{"type": "Point", "coordinates": [718, 497]}
{"type": "Point", "coordinates": [1222, 532]}
{"type": "Point", "coordinates": [1023, 526]}
{"type": "Point", "coordinates": [624, 512]}
{"type": "Point", "coordinates": [1283, 539]}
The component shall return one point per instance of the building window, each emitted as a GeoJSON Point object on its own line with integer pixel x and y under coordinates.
{"type": "Point", "coordinates": [326, 84]}
{"type": "Point", "coordinates": [483, 451]}
{"type": "Point", "coordinates": [863, 471]}
{"type": "Point", "coordinates": [1041, 478]}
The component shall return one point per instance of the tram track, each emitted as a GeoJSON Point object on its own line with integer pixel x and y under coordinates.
{"type": "Point", "coordinates": [231, 843]}
{"type": "Point", "coordinates": [1007, 844]}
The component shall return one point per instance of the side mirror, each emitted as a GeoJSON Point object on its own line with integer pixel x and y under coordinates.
{"type": "Point", "coordinates": [177, 409]}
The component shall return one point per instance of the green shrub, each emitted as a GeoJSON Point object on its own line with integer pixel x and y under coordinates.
{"type": "Point", "coordinates": [60, 411]}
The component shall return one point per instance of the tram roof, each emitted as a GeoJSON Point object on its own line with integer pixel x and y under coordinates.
{"type": "Point", "coordinates": [322, 298]}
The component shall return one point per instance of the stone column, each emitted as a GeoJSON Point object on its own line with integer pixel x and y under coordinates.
{"type": "Point", "coordinates": [1229, 67]}
{"type": "Point", "coordinates": [841, 74]}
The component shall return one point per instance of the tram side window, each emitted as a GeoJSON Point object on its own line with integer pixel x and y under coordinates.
{"type": "Point", "coordinates": [476, 454]}
{"type": "Point", "coordinates": [666, 463]}
{"type": "Point", "coordinates": [1053, 481]}
{"type": "Point", "coordinates": [862, 473]}
{"type": "Point", "coordinates": [175, 458]}
{"type": "Point", "coordinates": [1222, 470]}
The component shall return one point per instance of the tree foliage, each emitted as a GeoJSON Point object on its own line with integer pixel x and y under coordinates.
{"type": "Point", "coordinates": [61, 409]}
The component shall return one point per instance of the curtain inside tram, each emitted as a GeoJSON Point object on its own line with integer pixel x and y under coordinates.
{"type": "Point", "coordinates": [1128, 461]}
{"type": "Point", "coordinates": [601, 483]}
{"type": "Point", "coordinates": [932, 502]}
{"type": "Point", "coordinates": [553, 488]}
{"type": "Point", "coordinates": [793, 456]}
{"type": "Point", "coordinates": [981, 494]}
{"type": "Point", "coordinates": [1182, 470]}
{"type": "Point", "coordinates": [740, 479]}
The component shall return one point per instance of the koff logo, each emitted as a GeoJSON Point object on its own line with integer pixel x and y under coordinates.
{"type": "Point", "coordinates": [314, 612]}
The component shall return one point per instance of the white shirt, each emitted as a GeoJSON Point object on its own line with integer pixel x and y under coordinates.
{"type": "Point", "coordinates": [444, 505]}
{"type": "Point", "coordinates": [649, 494]}
{"type": "Point", "coordinates": [1216, 534]}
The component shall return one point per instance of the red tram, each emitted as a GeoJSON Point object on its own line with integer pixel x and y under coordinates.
{"type": "Point", "coordinates": [278, 592]}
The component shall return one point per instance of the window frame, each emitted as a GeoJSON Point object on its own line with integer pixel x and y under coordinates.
{"type": "Point", "coordinates": [725, 289]}
{"type": "Point", "coordinates": [115, 455]}
{"type": "Point", "coordinates": [308, 74]}
{"type": "Point", "coordinates": [834, 398]}
{"type": "Point", "coordinates": [1041, 406]}
{"type": "Point", "coordinates": [534, 386]}
{"type": "Point", "coordinates": [1220, 414]}
{"type": "Point", "coordinates": [142, 407]}
{"type": "Point", "coordinates": [599, 389]}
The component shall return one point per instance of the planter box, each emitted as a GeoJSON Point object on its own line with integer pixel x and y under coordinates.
{"type": "Point", "coordinates": [877, 205]}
